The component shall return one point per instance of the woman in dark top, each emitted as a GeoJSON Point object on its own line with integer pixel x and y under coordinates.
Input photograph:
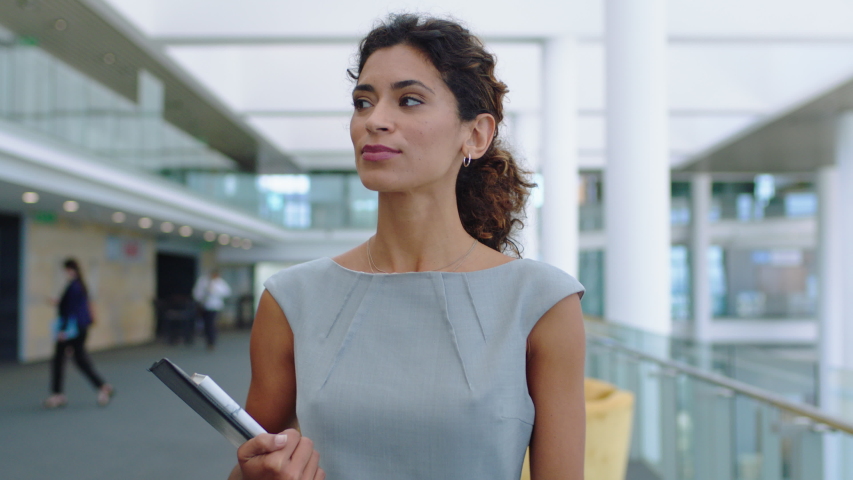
{"type": "Point", "coordinates": [75, 317]}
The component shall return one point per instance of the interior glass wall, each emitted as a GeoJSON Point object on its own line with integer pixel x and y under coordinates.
{"type": "Point", "coordinates": [591, 275]}
{"type": "Point", "coordinates": [591, 204]}
{"type": "Point", "coordinates": [764, 283]}
{"type": "Point", "coordinates": [315, 201]}
{"type": "Point", "coordinates": [41, 93]}
{"type": "Point", "coordinates": [767, 197]}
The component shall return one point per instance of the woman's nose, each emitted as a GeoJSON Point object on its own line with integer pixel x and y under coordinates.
{"type": "Point", "coordinates": [380, 119]}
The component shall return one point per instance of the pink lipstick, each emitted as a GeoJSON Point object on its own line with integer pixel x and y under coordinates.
{"type": "Point", "coordinates": [376, 153]}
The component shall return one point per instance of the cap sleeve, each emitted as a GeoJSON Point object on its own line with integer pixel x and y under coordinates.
{"type": "Point", "coordinates": [544, 286]}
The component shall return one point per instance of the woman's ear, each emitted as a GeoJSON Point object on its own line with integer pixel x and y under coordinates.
{"type": "Point", "coordinates": [482, 133]}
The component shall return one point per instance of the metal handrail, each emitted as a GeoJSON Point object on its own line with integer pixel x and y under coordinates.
{"type": "Point", "coordinates": [812, 413]}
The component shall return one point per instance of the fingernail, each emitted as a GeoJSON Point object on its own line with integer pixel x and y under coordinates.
{"type": "Point", "coordinates": [280, 440]}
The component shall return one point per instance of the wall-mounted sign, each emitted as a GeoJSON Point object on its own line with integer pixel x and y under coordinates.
{"type": "Point", "coordinates": [125, 249]}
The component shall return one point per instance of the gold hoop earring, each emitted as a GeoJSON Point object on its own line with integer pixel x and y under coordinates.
{"type": "Point", "coordinates": [466, 161]}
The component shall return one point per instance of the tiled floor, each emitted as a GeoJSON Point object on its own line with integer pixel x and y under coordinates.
{"type": "Point", "coordinates": [146, 433]}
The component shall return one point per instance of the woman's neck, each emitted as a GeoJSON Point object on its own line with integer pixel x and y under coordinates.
{"type": "Point", "coordinates": [417, 233]}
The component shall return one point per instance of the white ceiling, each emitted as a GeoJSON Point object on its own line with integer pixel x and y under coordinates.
{"type": "Point", "coordinates": [282, 65]}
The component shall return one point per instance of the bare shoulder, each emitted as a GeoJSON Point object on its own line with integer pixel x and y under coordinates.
{"type": "Point", "coordinates": [555, 371]}
{"type": "Point", "coordinates": [560, 325]}
{"type": "Point", "coordinates": [354, 259]}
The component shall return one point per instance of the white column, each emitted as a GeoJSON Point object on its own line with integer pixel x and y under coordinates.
{"type": "Point", "coordinates": [835, 257]}
{"type": "Point", "coordinates": [830, 305]}
{"type": "Point", "coordinates": [700, 195]}
{"type": "Point", "coordinates": [831, 272]}
{"type": "Point", "coordinates": [558, 244]}
{"type": "Point", "coordinates": [636, 182]}
{"type": "Point", "coordinates": [844, 206]}
{"type": "Point", "coordinates": [835, 304]}
{"type": "Point", "coordinates": [526, 139]}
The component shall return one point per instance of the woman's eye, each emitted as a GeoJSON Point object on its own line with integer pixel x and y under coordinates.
{"type": "Point", "coordinates": [360, 103]}
{"type": "Point", "coordinates": [409, 102]}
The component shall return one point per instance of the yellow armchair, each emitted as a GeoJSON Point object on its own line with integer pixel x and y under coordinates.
{"type": "Point", "coordinates": [609, 412]}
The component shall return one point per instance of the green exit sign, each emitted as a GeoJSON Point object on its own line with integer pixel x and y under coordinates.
{"type": "Point", "coordinates": [44, 217]}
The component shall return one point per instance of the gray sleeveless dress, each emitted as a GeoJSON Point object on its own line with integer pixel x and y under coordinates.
{"type": "Point", "coordinates": [416, 375]}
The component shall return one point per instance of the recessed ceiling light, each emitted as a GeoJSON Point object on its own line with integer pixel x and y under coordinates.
{"type": "Point", "coordinates": [119, 217]}
{"type": "Point", "coordinates": [109, 58]}
{"type": "Point", "coordinates": [70, 206]}
{"type": "Point", "coordinates": [145, 222]}
{"type": "Point", "coordinates": [30, 197]}
{"type": "Point", "coordinates": [246, 244]}
{"type": "Point", "coordinates": [60, 24]}
{"type": "Point", "coordinates": [167, 227]}
{"type": "Point", "coordinates": [224, 239]}
{"type": "Point", "coordinates": [185, 231]}
{"type": "Point", "coordinates": [209, 236]}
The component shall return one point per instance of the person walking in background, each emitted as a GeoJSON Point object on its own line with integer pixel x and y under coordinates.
{"type": "Point", "coordinates": [72, 326]}
{"type": "Point", "coordinates": [210, 292]}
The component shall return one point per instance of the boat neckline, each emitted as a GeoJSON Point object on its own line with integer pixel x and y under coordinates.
{"type": "Point", "coordinates": [490, 269]}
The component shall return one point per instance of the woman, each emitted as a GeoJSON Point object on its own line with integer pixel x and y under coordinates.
{"type": "Point", "coordinates": [75, 318]}
{"type": "Point", "coordinates": [425, 352]}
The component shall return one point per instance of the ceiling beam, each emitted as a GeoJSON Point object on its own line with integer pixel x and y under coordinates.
{"type": "Point", "coordinates": [677, 39]}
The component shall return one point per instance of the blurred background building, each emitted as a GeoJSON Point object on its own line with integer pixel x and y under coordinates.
{"type": "Point", "coordinates": [694, 162]}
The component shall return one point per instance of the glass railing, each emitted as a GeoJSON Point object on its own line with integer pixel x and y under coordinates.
{"type": "Point", "coordinates": [788, 371]}
{"type": "Point", "coordinates": [43, 94]}
{"type": "Point", "coordinates": [837, 391]}
{"type": "Point", "coordinates": [690, 424]}
{"type": "Point", "coordinates": [316, 201]}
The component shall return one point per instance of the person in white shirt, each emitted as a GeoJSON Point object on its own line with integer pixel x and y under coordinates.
{"type": "Point", "coordinates": [210, 292]}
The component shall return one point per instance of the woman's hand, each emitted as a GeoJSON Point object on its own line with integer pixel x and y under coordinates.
{"type": "Point", "coordinates": [286, 456]}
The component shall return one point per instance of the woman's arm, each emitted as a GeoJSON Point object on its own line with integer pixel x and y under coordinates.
{"type": "Point", "coordinates": [272, 391]}
{"type": "Point", "coordinates": [555, 371]}
{"type": "Point", "coordinates": [272, 402]}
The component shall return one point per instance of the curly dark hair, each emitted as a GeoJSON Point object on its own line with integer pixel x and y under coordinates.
{"type": "Point", "coordinates": [491, 192]}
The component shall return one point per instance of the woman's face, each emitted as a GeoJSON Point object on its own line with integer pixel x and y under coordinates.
{"type": "Point", "coordinates": [70, 273]}
{"type": "Point", "coordinates": [405, 128]}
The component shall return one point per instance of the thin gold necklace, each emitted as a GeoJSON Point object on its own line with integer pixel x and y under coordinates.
{"type": "Point", "coordinates": [459, 260]}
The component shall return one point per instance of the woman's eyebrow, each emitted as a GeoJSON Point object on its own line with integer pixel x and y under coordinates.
{"type": "Point", "coordinates": [364, 87]}
{"type": "Point", "coordinates": [408, 83]}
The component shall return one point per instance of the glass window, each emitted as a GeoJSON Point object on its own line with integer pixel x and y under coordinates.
{"type": "Point", "coordinates": [717, 272]}
{"type": "Point", "coordinates": [681, 302]}
{"type": "Point", "coordinates": [590, 204]}
{"type": "Point", "coordinates": [363, 204]}
{"type": "Point", "coordinates": [591, 275]}
{"type": "Point", "coordinates": [679, 212]}
{"type": "Point", "coordinates": [768, 196]}
{"type": "Point", "coordinates": [765, 283]}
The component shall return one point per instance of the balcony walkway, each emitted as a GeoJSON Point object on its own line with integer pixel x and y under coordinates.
{"type": "Point", "coordinates": [145, 433]}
